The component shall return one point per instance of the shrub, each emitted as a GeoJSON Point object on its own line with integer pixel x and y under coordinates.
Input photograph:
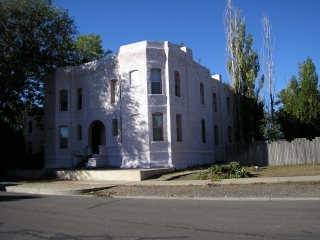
{"type": "Point", "coordinates": [224, 171]}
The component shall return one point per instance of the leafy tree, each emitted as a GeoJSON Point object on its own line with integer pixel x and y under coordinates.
{"type": "Point", "coordinates": [89, 47]}
{"type": "Point", "coordinates": [301, 103]}
{"type": "Point", "coordinates": [35, 37]}
{"type": "Point", "coordinates": [243, 67]}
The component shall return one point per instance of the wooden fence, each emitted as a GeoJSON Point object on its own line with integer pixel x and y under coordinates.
{"type": "Point", "coordinates": [298, 151]}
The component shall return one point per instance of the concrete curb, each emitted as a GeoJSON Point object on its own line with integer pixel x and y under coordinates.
{"type": "Point", "coordinates": [82, 187]}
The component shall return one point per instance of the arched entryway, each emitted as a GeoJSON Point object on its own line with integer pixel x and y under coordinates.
{"type": "Point", "coordinates": [97, 136]}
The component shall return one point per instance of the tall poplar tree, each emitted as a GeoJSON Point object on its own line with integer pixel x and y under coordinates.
{"type": "Point", "coordinates": [243, 67]}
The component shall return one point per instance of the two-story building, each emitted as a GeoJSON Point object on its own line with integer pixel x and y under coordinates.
{"type": "Point", "coordinates": [149, 106]}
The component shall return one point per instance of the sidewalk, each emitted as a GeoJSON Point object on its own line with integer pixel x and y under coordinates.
{"type": "Point", "coordinates": [87, 186]}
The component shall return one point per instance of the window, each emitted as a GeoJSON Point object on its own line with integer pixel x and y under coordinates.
{"type": "Point", "coordinates": [214, 102]}
{"type": "Point", "coordinates": [63, 136]}
{"type": "Point", "coordinates": [229, 134]}
{"type": "Point", "coordinates": [79, 132]}
{"type": "Point", "coordinates": [79, 98]}
{"type": "Point", "coordinates": [201, 93]}
{"type": "Point", "coordinates": [156, 83]}
{"type": "Point", "coordinates": [203, 130]}
{"type": "Point", "coordinates": [30, 126]}
{"type": "Point", "coordinates": [177, 84]}
{"type": "Point", "coordinates": [115, 127]}
{"type": "Point", "coordinates": [179, 128]}
{"type": "Point", "coordinates": [228, 105]}
{"type": "Point", "coordinates": [157, 123]}
{"type": "Point", "coordinates": [216, 135]}
{"type": "Point", "coordinates": [63, 100]}
{"type": "Point", "coordinates": [113, 88]}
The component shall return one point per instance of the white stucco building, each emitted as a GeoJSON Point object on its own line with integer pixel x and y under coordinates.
{"type": "Point", "coordinates": [149, 106]}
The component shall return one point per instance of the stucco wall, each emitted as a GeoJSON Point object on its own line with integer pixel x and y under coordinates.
{"type": "Point", "coordinates": [134, 106]}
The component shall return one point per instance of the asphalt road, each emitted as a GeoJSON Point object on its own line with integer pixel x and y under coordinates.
{"type": "Point", "coordinates": [78, 217]}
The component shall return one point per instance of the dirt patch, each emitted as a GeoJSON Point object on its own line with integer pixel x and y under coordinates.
{"type": "Point", "coordinates": [283, 190]}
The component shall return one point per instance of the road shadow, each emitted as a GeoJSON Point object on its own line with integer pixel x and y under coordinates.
{"type": "Point", "coordinates": [8, 197]}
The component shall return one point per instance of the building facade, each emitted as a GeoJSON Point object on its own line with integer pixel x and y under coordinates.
{"type": "Point", "coordinates": [149, 106]}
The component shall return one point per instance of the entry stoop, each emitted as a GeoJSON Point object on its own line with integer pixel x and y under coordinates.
{"type": "Point", "coordinates": [111, 175]}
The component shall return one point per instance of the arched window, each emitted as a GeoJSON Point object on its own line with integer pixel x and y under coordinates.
{"type": "Point", "coordinates": [134, 78]}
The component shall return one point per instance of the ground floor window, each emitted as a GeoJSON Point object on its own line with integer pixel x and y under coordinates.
{"type": "Point", "coordinates": [179, 128]}
{"type": "Point", "coordinates": [203, 130]}
{"type": "Point", "coordinates": [63, 136]}
{"type": "Point", "coordinates": [115, 127]}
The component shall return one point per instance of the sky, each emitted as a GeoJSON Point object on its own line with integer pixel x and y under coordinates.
{"type": "Point", "coordinates": [199, 25]}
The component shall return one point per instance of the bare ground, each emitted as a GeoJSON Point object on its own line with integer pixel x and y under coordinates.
{"type": "Point", "coordinates": [279, 190]}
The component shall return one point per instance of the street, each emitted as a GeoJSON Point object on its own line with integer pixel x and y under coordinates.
{"type": "Point", "coordinates": [79, 217]}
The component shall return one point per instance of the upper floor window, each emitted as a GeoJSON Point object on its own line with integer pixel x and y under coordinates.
{"type": "Point", "coordinates": [79, 98]}
{"type": "Point", "coordinates": [63, 100]}
{"type": "Point", "coordinates": [157, 126]}
{"type": "Point", "coordinates": [156, 83]}
{"type": "Point", "coordinates": [63, 137]}
{"type": "Point", "coordinates": [179, 127]}
{"type": "Point", "coordinates": [214, 102]}
{"type": "Point", "coordinates": [202, 93]}
{"type": "Point", "coordinates": [177, 84]}
{"type": "Point", "coordinates": [228, 105]}
{"type": "Point", "coordinates": [113, 88]}
{"type": "Point", "coordinates": [134, 78]}
{"type": "Point", "coordinates": [203, 130]}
